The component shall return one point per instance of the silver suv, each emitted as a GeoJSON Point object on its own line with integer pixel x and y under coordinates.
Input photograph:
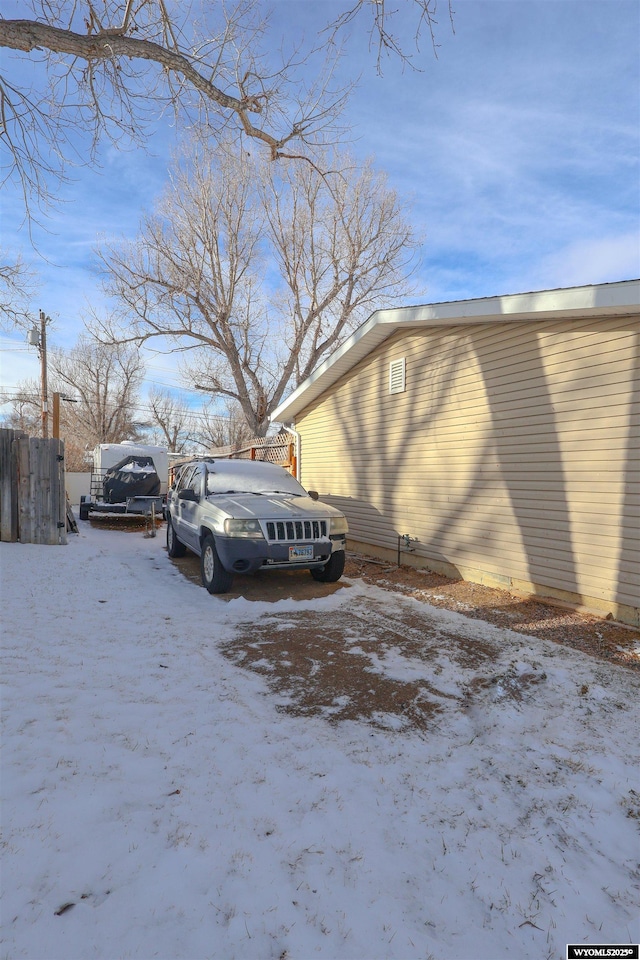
{"type": "Point", "coordinates": [240, 516]}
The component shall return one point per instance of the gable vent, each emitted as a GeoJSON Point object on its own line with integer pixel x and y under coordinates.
{"type": "Point", "coordinates": [397, 376]}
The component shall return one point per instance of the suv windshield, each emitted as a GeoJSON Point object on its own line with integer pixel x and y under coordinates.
{"type": "Point", "coordinates": [239, 477]}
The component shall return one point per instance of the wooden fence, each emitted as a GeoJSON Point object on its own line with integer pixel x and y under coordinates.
{"type": "Point", "coordinates": [32, 489]}
{"type": "Point", "coordinates": [280, 449]}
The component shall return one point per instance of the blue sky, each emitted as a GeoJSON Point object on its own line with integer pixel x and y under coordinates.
{"type": "Point", "coordinates": [518, 149]}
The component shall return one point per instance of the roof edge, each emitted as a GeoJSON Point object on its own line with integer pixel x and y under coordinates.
{"type": "Point", "coordinates": [604, 299]}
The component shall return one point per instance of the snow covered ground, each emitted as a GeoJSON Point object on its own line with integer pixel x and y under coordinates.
{"type": "Point", "coordinates": [159, 802]}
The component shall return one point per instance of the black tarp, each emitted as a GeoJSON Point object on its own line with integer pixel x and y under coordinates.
{"type": "Point", "coordinates": [134, 476]}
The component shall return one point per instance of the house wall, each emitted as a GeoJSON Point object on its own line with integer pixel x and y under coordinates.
{"type": "Point", "coordinates": [512, 456]}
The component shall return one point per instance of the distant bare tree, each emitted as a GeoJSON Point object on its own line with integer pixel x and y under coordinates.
{"type": "Point", "coordinates": [103, 380]}
{"type": "Point", "coordinates": [25, 408]}
{"type": "Point", "coordinates": [106, 380]}
{"type": "Point", "coordinates": [111, 68]}
{"type": "Point", "coordinates": [258, 275]}
{"type": "Point", "coordinates": [214, 430]}
{"type": "Point", "coordinates": [195, 431]}
{"type": "Point", "coordinates": [171, 418]}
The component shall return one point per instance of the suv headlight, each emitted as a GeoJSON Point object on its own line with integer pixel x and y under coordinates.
{"type": "Point", "coordinates": [243, 528]}
{"type": "Point", "coordinates": [339, 525]}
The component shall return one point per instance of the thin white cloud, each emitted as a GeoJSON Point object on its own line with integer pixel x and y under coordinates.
{"type": "Point", "coordinates": [598, 260]}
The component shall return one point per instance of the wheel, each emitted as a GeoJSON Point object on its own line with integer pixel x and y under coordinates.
{"type": "Point", "coordinates": [332, 570]}
{"type": "Point", "coordinates": [214, 577]}
{"type": "Point", "coordinates": [174, 547]}
{"type": "Point", "coordinates": [84, 510]}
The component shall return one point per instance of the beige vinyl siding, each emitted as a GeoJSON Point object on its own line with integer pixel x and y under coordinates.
{"type": "Point", "coordinates": [513, 452]}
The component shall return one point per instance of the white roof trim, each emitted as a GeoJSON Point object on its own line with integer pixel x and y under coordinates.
{"type": "Point", "coordinates": [606, 299]}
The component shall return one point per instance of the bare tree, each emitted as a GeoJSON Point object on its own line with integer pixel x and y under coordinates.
{"type": "Point", "coordinates": [111, 67]}
{"type": "Point", "coordinates": [257, 277]}
{"type": "Point", "coordinates": [190, 431]}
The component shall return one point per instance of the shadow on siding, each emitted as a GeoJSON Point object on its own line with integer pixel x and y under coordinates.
{"type": "Point", "coordinates": [629, 561]}
{"type": "Point", "coordinates": [538, 518]}
{"type": "Point", "coordinates": [379, 511]}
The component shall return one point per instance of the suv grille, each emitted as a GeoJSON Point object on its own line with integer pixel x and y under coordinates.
{"type": "Point", "coordinates": [280, 530]}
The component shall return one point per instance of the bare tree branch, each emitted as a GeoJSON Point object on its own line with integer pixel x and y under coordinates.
{"type": "Point", "coordinates": [381, 21]}
{"type": "Point", "coordinates": [111, 68]}
{"type": "Point", "coordinates": [27, 35]}
{"type": "Point", "coordinates": [132, 63]}
{"type": "Point", "coordinates": [18, 285]}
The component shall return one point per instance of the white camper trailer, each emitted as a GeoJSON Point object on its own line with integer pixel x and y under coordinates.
{"type": "Point", "coordinates": [106, 455]}
{"type": "Point", "coordinates": [127, 478]}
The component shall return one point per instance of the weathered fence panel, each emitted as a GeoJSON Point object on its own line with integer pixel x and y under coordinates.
{"type": "Point", "coordinates": [9, 484]}
{"type": "Point", "coordinates": [42, 509]}
{"type": "Point", "coordinates": [33, 507]}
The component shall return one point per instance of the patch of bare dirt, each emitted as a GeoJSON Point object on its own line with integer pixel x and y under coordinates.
{"type": "Point", "coordinates": [602, 639]}
{"type": "Point", "coordinates": [390, 665]}
{"type": "Point", "coordinates": [319, 667]}
{"type": "Point", "coordinates": [387, 665]}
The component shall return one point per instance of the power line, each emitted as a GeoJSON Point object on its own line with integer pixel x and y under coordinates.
{"type": "Point", "coordinates": [141, 409]}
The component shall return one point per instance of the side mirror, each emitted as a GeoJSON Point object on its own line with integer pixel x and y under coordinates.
{"type": "Point", "coordinates": [313, 494]}
{"type": "Point", "coordinates": [190, 495]}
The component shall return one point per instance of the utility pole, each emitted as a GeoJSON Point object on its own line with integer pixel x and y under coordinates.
{"type": "Point", "coordinates": [38, 338]}
{"type": "Point", "coordinates": [42, 349]}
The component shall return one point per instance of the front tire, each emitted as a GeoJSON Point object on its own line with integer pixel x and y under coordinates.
{"type": "Point", "coordinates": [332, 570]}
{"type": "Point", "coordinates": [214, 577]}
{"type": "Point", "coordinates": [174, 547]}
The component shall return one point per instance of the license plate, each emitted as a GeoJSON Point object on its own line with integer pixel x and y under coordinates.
{"type": "Point", "coordinates": [301, 553]}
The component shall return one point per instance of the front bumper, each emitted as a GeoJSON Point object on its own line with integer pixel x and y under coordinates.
{"type": "Point", "coordinates": [240, 555]}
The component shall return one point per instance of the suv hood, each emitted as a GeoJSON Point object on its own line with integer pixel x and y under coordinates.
{"type": "Point", "coordinates": [271, 506]}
